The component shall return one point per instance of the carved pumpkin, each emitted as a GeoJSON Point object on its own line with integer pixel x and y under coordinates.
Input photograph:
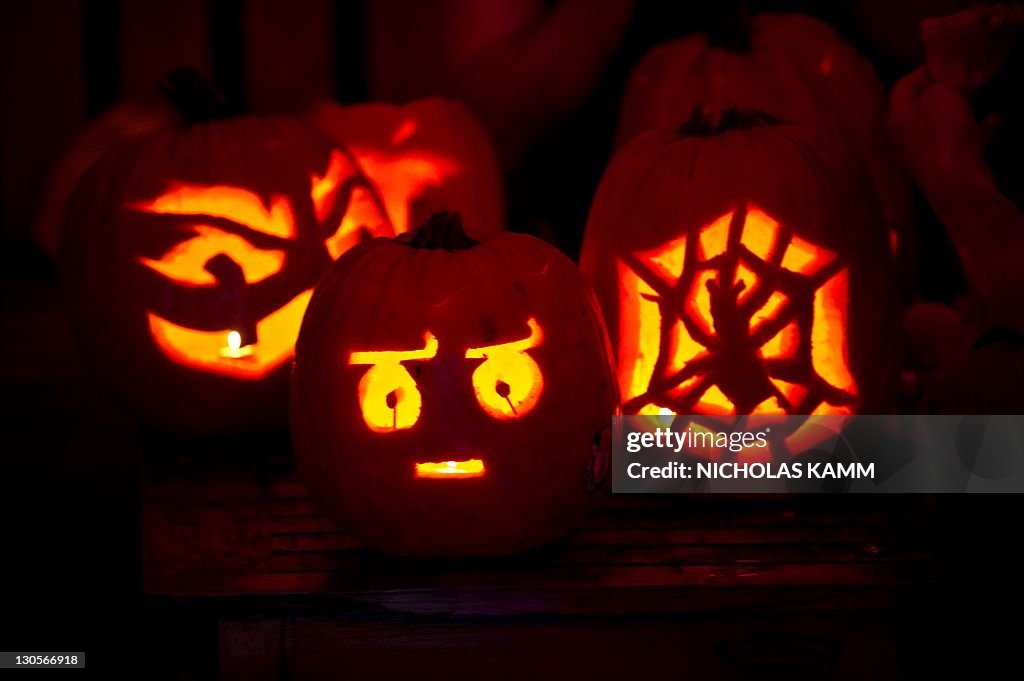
{"type": "Point", "coordinates": [121, 122]}
{"type": "Point", "coordinates": [188, 257]}
{"type": "Point", "coordinates": [426, 157]}
{"type": "Point", "coordinates": [449, 396]}
{"type": "Point", "coordinates": [742, 267]}
{"type": "Point", "coordinates": [791, 66]}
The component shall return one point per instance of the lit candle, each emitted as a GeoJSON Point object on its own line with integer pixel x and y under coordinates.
{"type": "Point", "coordinates": [234, 348]}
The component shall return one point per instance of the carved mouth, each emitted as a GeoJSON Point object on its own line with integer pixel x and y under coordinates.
{"type": "Point", "coordinates": [451, 470]}
{"type": "Point", "coordinates": [211, 351]}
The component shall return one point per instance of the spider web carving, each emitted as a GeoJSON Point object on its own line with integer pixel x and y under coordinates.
{"type": "Point", "coordinates": [740, 317]}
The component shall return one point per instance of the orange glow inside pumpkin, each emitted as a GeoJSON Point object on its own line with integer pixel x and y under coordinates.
{"type": "Point", "coordinates": [404, 173]}
{"type": "Point", "coordinates": [222, 352]}
{"type": "Point", "coordinates": [184, 263]}
{"type": "Point", "coordinates": [810, 434]}
{"type": "Point", "coordinates": [322, 187]}
{"type": "Point", "coordinates": [449, 470]}
{"type": "Point", "coordinates": [231, 203]}
{"type": "Point", "coordinates": [508, 382]}
{"type": "Point", "coordinates": [216, 353]}
{"type": "Point", "coordinates": [388, 395]}
{"type": "Point", "coordinates": [405, 130]}
{"type": "Point", "coordinates": [753, 320]}
{"type": "Point", "coordinates": [363, 212]}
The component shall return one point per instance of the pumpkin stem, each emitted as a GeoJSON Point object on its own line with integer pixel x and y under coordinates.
{"type": "Point", "coordinates": [193, 97]}
{"type": "Point", "coordinates": [442, 231]}
{"type": "Point", "coordinates": [729, 27]}
{"type": "Point", "coordinates": [708, 121]}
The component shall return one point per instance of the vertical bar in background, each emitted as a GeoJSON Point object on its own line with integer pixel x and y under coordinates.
{"type": "Point", "coordinates": [158, 38]}
{"type": "Point", "coordinates": [290, 54]}
{"type": "Point", "coordinates": [351, 73]}
{"type": "Point", "coordinates": [43, 101]}
{"type": "Point", "coordinates": [100, 54]}
{"type": "Point", "coordinates": [227, 52]}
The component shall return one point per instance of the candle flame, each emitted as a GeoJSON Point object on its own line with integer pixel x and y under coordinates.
{"type": "Point", "coordinates": [234, 349]}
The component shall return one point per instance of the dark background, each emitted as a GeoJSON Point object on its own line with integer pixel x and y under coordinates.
{"type": "Point", "coordinates": [70, 529]}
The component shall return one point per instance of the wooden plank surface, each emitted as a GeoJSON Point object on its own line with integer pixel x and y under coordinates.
{"type": "Point", "coordinates": [249, 649]}
{"type": "Point", "coordinates": [593, 648]}
{"type": "Point", "coordinates": [721, 587]}
{"type": "Point", "coordinates": [233, 535]}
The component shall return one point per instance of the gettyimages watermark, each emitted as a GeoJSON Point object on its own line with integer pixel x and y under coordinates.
{"type": "Point", "coordinates": [671, 454]}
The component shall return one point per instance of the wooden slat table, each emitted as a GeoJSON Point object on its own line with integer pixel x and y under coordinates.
{"type": "Point", "coordinates": [648, 586]}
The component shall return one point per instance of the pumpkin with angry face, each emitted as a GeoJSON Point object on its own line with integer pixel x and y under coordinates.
{"type": "Point", "coordinates": [188, 256]}
{"type": "Point", "coordinates": [449, 397]}
{"type": "Point", "coordinates": [743, 268]}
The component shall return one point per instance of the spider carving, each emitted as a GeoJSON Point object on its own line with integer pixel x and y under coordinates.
{"type": "Point", "coordinates": [742, 316]}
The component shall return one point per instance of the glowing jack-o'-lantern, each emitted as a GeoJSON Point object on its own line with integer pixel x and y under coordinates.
{"type": "Point", "coordinates": [743, 268]}
{"type": "Point", "coordinates": [426, 157]}
{"type": "Point", "coordinates": [189, 256]}
{"type": "Point", "coordinates": [449, 396]}
{"type": "Point", "coordinates": [224, 258]}
{"type": "Point", "coordinates": [792, 66]}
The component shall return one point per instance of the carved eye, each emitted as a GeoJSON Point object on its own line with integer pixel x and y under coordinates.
{"type": "Point", "coordinates": [508, 382]}
{"type": "Point", "coordinates": [389, 398]}
{"type": "Point", "coordinates": [388, 395]}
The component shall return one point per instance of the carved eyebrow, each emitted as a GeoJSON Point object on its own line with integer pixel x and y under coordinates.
{"type": "Point", "coordinates": [236, 204]}
{"type": "Point", "coordinates": [535, 338]}
{"type": "Point", "coordinates": [428, 351]}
